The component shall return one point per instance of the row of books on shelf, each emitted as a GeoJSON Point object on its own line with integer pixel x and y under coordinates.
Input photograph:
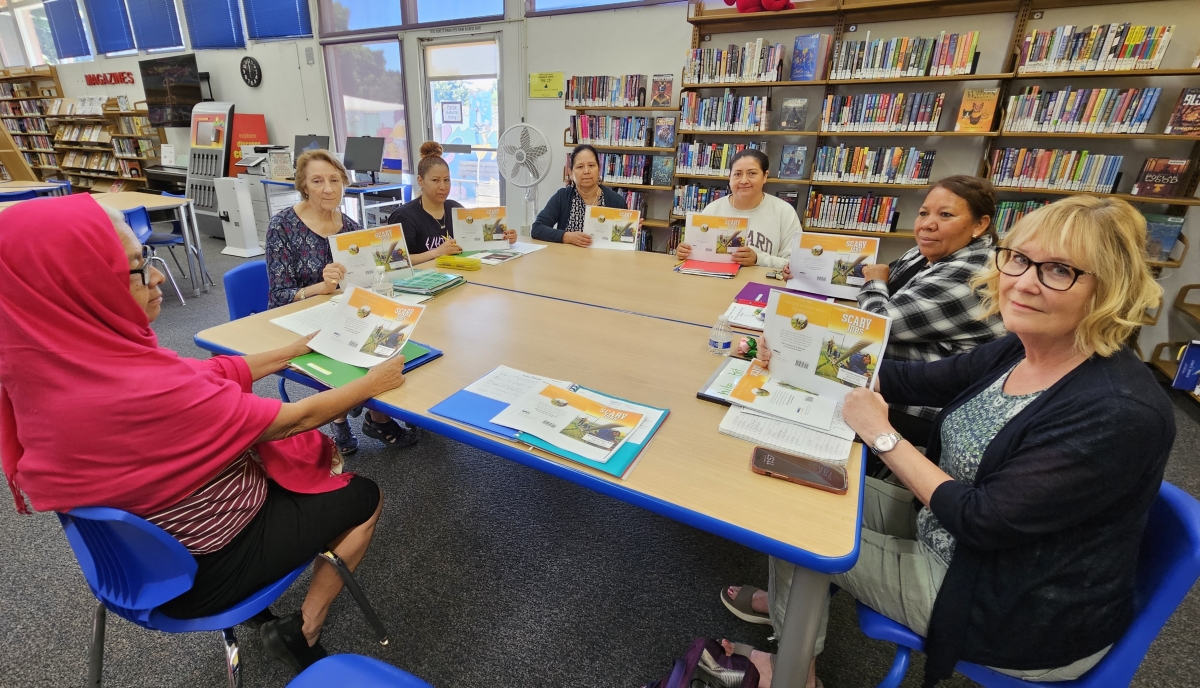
{"type": "Point", "coordinates": [1009, 212]}
{"type": "Point", "coordinates": [25, 125]}
{"type": "Point", "coordinates": [628, 90]}
{"type": "Point", "coordinates": [869, 213]}
{"type": "Point", "coordinates": [99, 161]}
{"type": "Point", "coordinates": [726, 112]}
{"type": "Point", "coordinates": [87, 133]}
{"type": "Point", "coordinates": [21, 107]}
{"type": "Point", "coordinates": [866, 165]}
{"type": "Point", "coordinates": [882, 112]}
{"type": "Point", "coordinates": [142, 148]}
{"type": "Point", "coordinates": [4, 175]}
{"type": "Point", "coordinates": [600, 130]}
{"type": "Point", "coordinates": [82, 105]}
{"type": "Point", "coordinates": [625, 168]}
{"type": "Point", "coordinates": [42, 160]}
{"type": "Point", "coordinates": [1055, 168]}
{"type": "Point", "coordinates": [691, 198]}
{"type": "Point", "coordinates": [697, 157]}
{"type": "Point", "coordinates": [947, 54]}
{"type": "Point", "coordinates": [750, 63]}
{"type": "Point", "coordinates": [34, 143]}
{"type": "Point", "coordinates": [1162, 231]}
{"type": "Point", "coordinates": [98, 184]}
{"type": "Point", "coordinates": [16, 89]}
{"type": "Point", "coordinates": [135, 125]}
{"type": "Point", "coordinates": [634, 200]}
{"type": "Point", "coordinates": [1095, 48]}
{"type": "Point", "coordinates": [1081, 110]}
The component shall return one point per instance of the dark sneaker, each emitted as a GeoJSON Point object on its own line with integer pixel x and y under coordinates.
{"type": "Point", "coordinates": [343, 437]}
{"type": "Point", "coordinates": [396, 433]}
{"type": "Point", "coordinates": [284, 640]}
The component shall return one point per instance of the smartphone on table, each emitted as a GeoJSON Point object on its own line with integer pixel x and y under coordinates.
{"type": "Point", "coordinates": [797, 469]}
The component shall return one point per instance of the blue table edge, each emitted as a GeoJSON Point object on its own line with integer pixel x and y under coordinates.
{"type": "Point", "coordinates": [716, 526]}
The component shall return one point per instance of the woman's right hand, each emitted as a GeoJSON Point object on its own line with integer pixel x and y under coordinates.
{"type": "Point", "coordinates": [331, 276]}
{"type": "Point", "coordinates": [387, 376]}
{"type": "Point", "coordinates": [581, 239]}
{"type": "Point", "coordinates": [683, 251]}
{"type": "Point", "coordinates": [787, 273]}
{"type": "Point", "coordinates": [449, 247]}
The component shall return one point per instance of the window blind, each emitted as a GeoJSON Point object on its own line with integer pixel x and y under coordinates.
{"type": "Point", "coordinates": [66, 28]}
{"type": "Point", "coordinates": [110, 25]}
{"type": "Point", "coordinates": [277, 18]}
{"type": "Point", "coordinates": [214, 23]}
{"type": "Point", "coordinates": [155, 24]}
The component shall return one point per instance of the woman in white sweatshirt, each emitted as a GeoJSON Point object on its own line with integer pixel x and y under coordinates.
{"type": "Point", "coordinates": [773, 223]}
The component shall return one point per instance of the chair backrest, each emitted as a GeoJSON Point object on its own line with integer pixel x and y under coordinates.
{"type": "Point", "coordinates": [246, 289]}
{"type": "Point", "coordinates": [28, 195]}
{"type": "Point", "coordinates": [131, 565]}
{"type": "Point", "coordinates": [139, 219]}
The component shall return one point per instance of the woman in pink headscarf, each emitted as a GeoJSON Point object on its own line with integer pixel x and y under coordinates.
{"type": "Point", "coordinates": [243, 482]}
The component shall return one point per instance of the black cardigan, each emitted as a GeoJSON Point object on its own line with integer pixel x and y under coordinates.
{"type": "Point", "coordinates": [1048, 534]}
{"type": "Point", "coordinates": [551, 223]}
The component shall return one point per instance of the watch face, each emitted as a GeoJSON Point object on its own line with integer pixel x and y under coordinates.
{"type": "Point", "coordinates": [885, 443]}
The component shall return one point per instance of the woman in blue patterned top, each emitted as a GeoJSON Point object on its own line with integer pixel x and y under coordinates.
{"type": "Point", "coordinates": [300, 265]}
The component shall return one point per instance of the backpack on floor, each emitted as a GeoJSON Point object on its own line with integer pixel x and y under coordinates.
{"type": "Point", "coordinates": [706, 664]}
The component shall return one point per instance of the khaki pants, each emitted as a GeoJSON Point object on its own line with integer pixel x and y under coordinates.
{"type": "Point", "coordinates": [896, 575]}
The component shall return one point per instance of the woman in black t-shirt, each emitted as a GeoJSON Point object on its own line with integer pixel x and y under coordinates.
{"type": "Point", "coordinates": [428, 220]}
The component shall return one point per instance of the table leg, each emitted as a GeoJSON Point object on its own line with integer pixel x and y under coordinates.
{"type": "Point", "coordinates": [205, 279]}
{"type": "Point", "coordinates": [806, 602]}
{"type": "Point", "coordinates": [185, 224]}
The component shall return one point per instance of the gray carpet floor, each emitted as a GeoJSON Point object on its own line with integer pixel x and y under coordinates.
{"type": "Point", "coordinates": [487, 573]}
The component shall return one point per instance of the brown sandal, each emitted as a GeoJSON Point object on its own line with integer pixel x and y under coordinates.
{"type": "Point", "coordinates": [740, 606]}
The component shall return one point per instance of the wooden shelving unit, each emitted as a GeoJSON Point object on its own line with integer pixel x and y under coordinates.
{"type": "Point", "coordinates": [115, 155]}
{"type": "Point", "coordinates": [1163, 360]}
{"type": "Point", "coordinates": [24, 93]}
{"type": "Point", "coordinates": [1082, 135]}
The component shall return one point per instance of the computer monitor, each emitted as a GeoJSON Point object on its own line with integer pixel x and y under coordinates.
{"type": "Point", "coordinates": [364, 154]}
{"type": "Point", "coordinates": [309, 142]}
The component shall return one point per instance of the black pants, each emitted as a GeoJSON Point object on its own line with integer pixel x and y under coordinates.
{"type": "Point", "coordinates": [911, 428]}
{"type": "Point", "coordinates": [290, 529]}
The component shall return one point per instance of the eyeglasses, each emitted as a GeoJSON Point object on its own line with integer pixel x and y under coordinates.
{"type": "Point", "coordinates": [1056, 276]}
{"type": "Point", "coordinates": [144, 271]}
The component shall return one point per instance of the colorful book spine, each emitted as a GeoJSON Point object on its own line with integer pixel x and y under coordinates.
{"type": "Point", "coordinates": [692, 198]}
{"type": "Point", "coordinates": [882, 112]}
{"type": "Point", "coordinates": [862, 164]}
{"type": "Point", "coordinates": [1085, 110]}
{"type": "Point", "coordinates": [727, 112]}
{"type": "Point", "coordinates": [710, 159]}
{"type": "Point", "coordinates": [867, 213]}
{"type": "Point", "coordinates": [611, 131]}
{"type": "Point", "coordinates": [1055, 168]}
{"type": "Point", "coordinates": [1098, 47]}
{"type": "Point", "coordinates": [1009, 212]}
{"type": "Point", "coordinates": [755, 62]}
{"type": "Point", "coordinates": [947, 54]}
{"type": "Point", "coordinates": [622, 168]}
{"type": "Point", "coordinates": [607, 91]}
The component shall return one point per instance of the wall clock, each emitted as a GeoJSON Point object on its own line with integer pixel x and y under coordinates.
{"type": "Point", "coordinates": [251, 72]}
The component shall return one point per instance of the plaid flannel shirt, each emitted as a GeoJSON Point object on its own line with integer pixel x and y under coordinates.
{"type": "Point", "coordinates": [933, 316]}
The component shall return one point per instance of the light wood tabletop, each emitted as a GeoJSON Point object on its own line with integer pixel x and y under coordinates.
{"type": "Point", "coordinates": [15, 185]}
{"type": "Point", "coordinates": [688, 463]}
{"type": "Point", "coordinates": [635, 281]}
{"type": "Point", "coordinates": [128, 200]}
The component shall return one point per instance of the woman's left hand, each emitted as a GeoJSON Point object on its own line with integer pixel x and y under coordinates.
{"type": "Point", "coordinates": [744, 255]}
{"type": "Point", "coordinates": [299, 347]}
{"type": "Point", "coordinates": [866, 412]}
{"type": "Point", "coordinates": [511, 235]}
{"type": "Point", "coordinates": [876, 272]}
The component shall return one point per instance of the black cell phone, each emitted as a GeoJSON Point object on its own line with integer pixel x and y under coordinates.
{"type": "Point", "coordinates": [797, 469]}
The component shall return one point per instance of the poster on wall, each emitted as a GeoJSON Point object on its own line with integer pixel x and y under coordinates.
{"type": "Point", "coordinates": [546, 84]}
{"type": "Point", "coordinates": [248, 130]}
{"type": "Point", "coordinates": [452, 112]}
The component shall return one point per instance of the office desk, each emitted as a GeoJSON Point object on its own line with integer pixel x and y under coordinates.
{"type": "Point", "coordinates": [689, 472]}
{"type": "Point", "coordinates": [281, 193]}
{"type": "Point", "coordinates": [636, 281]}
{"type": "Point", "coordinates": [184, 210]}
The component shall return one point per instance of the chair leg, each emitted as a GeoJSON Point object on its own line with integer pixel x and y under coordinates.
{"type": "Point", "coordinates": [175, 258]}
{"type": "Point", "coordinates": [368, 611]}
{"type": "Point", "coordinates": [96, 650]}
{"type": "Point", "coordinates": [233, 660]}
{"type": "Point", "coordinates": [170, 277]}
{"type": "Point", "coordinates": [899, 669]}
{"type": "Point", "coordinates": [283, 391]}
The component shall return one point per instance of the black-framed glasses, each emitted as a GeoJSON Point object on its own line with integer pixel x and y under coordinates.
{"type": "Point", "coordinates": [1056, 276]}
{"type": "Point", "coordinates": [144, 271]}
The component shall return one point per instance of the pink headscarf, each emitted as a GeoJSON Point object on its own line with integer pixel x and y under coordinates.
{"type": "Point", "coordinates": [92, 411]}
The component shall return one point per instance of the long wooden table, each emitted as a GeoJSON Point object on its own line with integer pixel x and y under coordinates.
{"type": "Point", "coordinates": [635, 281]}
{"type": "Point", "coordinates": [689, 472]}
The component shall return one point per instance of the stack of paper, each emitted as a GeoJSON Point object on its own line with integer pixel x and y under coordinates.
{"type": "Point", "coordinates": [428, 282]}
{"type": "Point", "coordinates": [713, 240]}
{"type": "Point", "coordinates": [707, 269]}
{"type": "Point", "coordinates": [576, 423]}
{"type": "Point", "coordinates": [748, 310]}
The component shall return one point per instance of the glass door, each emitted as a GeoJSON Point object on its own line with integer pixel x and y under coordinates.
{"type": "Point", "coordinates": [462, 83]}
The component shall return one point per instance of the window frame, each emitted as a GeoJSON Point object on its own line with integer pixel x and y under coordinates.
{"type": "Point", "coordinates": [532, 11]}
{"type": "Point", "coordinates": [374, 36]}
{"type": "Point", "coordinates": [408, 8]}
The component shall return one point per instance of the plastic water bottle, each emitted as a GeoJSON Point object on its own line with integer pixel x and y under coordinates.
{"type": "Point", "coordinates": [381, 284]}
{"type": "Point", "coordinates": [720, 338]}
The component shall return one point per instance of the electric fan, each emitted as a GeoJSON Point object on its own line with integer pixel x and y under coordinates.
{"type": "Point", "coordinates": [523, 156]}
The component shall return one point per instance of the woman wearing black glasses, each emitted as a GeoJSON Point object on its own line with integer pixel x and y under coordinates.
{"type": "Point", "coordinates": [1044, 461]}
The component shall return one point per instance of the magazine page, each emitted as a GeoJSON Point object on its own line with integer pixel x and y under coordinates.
{"type": "Point", "coordinates": [824, 347]}
{"type": "Point", "coordinates": [509, 384]}
{"type": "Point", "coordinates": [612, 228]}
{"type": "Point", "coordinates": [361, 251]}
{"type": "Point", "coordinates": [831, 264]}
{"type": "Point", "coordinates": [650, 415]}
{"type": "Point", "coordinates": [758, 390]}
{"type": "Point", "coordinates": [713, 238]}
{"type": "Point", "coordinates": [366, 328]}
{"type": "Point", "coordinates": [480, 229]}
{"type": "Point", "coordinates": [572, 422]}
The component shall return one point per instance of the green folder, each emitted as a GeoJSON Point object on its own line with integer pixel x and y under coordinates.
{"type": "Point", "coordinates": [335, 373]}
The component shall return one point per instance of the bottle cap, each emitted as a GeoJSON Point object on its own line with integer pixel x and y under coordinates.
{"type": "Point", "coordinates": [722, 318]}
{"type": "Point", "coordinates": [379, 269]}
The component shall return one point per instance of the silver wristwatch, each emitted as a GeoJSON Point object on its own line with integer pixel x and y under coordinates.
{"type": "Point", "coordinates": [885, 442]}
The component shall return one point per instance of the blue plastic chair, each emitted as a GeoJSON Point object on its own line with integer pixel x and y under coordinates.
{"type": "Point", "coordinates": [1168, 565]}
{"type": "Point", "coordinates": [357, 671]}
{"type": "Point", "coordinates": [246, 293]}
{"type": "Point", "coordinates": [134, 567]}
{"type": "Point", "coordinates": [175, 238]}
{"type": "Point", "coordinates": [6, 196]}
{"type": "Point", "coordinates": [139, 219]}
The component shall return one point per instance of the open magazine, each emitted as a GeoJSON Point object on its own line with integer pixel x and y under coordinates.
{"type": "Point", "coordinates": [831, 264]}
{"type": "Point", "coordinates": [570, 421]}
{"type": "Point", "coordinates": [362, 251]}
{"type": "Point", "coordinates": [713, 238]}
{"type": "Point", "coordinates": [612, 228]}
{"type": "Point", "coordinates": [366, 328]}
{"type": "Point", "coordinates": [758, 390]}
{"type": "Point", "coordinates": [480, 229]}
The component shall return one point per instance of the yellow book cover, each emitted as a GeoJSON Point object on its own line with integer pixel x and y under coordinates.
{"type": "Point", "coordinates": [612, 228]}
{"type": "Point", "coordinates": [714, 238]}
{"type": "Point", "coordinates": [366, 328]}
{"type": "Point", "coordinates": [977, 110]}
{"type": "Point", "coordinates": [480, 229]}
{"type": "Point", "coordinates": [831, 264]}
{"type": "Point", "coordinates": [362, 251]}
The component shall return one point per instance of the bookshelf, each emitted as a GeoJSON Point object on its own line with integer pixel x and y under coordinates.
{"type": "Point", "coordinates": [107, 151]}
{"type": "Point", "coordinates": [24, 94]}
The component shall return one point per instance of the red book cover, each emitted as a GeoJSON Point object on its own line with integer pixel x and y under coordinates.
{"type": "Point", "coordinates": [1161, 177]}
{"type": "Point", "coordinates": [730, 269]}
{"type": "Point", "coordinates": [247, 130]}
{"type": "Point", "coordinates": [1185, 119]}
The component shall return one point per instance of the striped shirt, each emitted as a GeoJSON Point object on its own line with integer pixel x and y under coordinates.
{"type": "Point", "coordinates": [212, 516]}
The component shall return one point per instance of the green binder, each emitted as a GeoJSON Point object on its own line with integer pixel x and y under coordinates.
{"type": "Point", "coordinates": [335, 373]}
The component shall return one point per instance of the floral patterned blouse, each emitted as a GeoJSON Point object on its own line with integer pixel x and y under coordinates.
{"type": "Point", "coordinates": [296, 255]}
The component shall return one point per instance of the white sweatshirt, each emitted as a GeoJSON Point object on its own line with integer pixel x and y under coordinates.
{"type": "Point", "coordinates": [773, 227]}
